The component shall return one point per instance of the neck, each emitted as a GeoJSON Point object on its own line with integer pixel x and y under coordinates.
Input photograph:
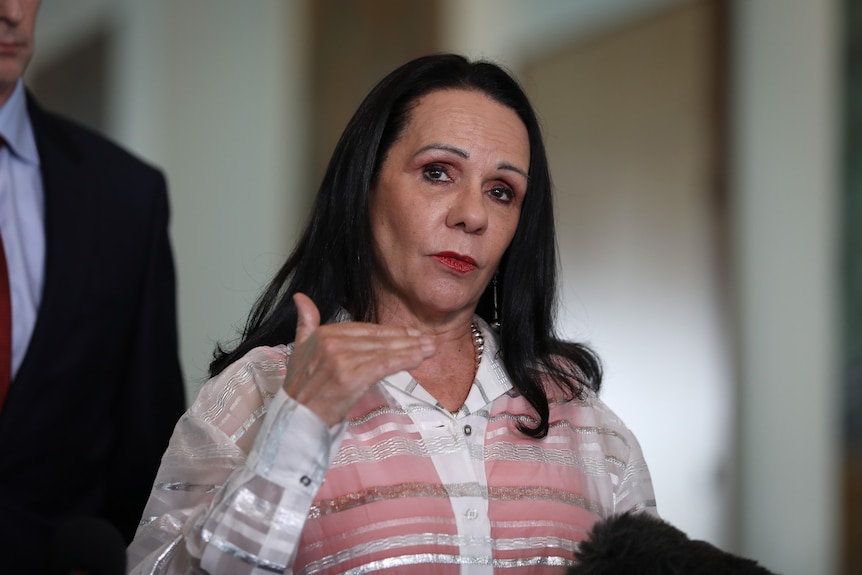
{"type": "Point", "coordinates": [443, 324]}
{"type": "Point", "coordinates": [448, 375]}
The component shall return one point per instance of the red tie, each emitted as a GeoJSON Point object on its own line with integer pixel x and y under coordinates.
{"type": "Point", "coordinates": [5, 324]}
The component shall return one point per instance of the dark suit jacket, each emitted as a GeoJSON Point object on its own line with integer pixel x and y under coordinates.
{"type": "Point", "coordinates": [94, 402]}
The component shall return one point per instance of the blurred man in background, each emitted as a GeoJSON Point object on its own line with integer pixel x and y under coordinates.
{"type": "Point", "coordinates": [90, 382]}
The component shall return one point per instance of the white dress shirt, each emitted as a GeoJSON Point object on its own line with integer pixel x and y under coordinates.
{"type": "Point", "coordinates": [254, 483]}
{"type": "Point", "coordinates": [22, 219]}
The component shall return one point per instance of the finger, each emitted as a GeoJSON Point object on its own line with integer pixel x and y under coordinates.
{"type": "Point", "coordinates": [336, 388]}
{"type": "Point", "coordinates": [307, 317]}
{"type": "Point", "coordinates": [375, 367]}
{"type": "Point", "coordinates": [338, 339]}
{"type": "Point", "coordinates": [362, 369]}
{"type": "Point", "coordinates": [358, 329]}
{"type": "Point", "coordinates": [352, 362]}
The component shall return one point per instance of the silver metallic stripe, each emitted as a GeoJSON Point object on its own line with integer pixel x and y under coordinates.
{"type": "Point", "coordinates": [585, 430]}
{"type": "Point", "coordinates": [388, 544]}
{"type": "Point", "coordinates": [559, 526]}
{"type": "Point", "coordinates": [239, 379]}
{"type": "Point", "coordinates": [505, 451]}
{"type": "Point", "coordinates": [377, 526]}
{"type": "Point", "coordinates": [406, 490]}
{"type": "Point", "coordinates": [229, 390]}
{"type": "Point", "coordinates": [252, 507]}
{"type": "Point", "coordinates": [533, 562]}
{"type": "Point", "coordinates": [161, 561]}
{"type": "Point", "coordinates": [546, 542]}
{"type": "Point", "coordinates": [616, 462]}
{"type": "Point", "coordinates": [271, 366]}
{"type": "Point", "coordinates": [389, 492]}
{"type": "Point", "coordinates": [516, 417]}
{"type": "Point", "coordinates": [606, 431]}
{"type": "Point", "coordinates": [483, 413]}
{"type": "Point", "coordinates": [214, 451]}
{"type": "Point", "coordinates": [382, 410]}
{"type": "Point", "coordinates": [398, 446]}
{"type": "Point", "coordinates": [640, 506]}
{"type": "Point", "coordinates": [230, 549]}
{"type": "Point", "coordinates": [389, 410]}
{"type": "Point", "coordinates": [190, 487]}
{"type": "Point", "coordinates": [167, 523]}
{"type": "Point", "coordinates": [500, 371]}
{"type": "Point", "coordinates": [442, 559]}
{"type": "Point", "coordinates": [546, 494]}
{"type": "Point", "coordinates": [420, 539]}
{"type": "Point", "coordinates": [482, 391]}
{"type": "Point", "coordinates": [254, 416]}
{"type": "Point", "coordinates": [498, 451]}
{"type": "Point", "coordinates": [416, 559]}
{"type": "Point", "coordinates": [383, 429]}
{"type": "Point", "coordinates": [635, 468]}
{"type": "Point", "coordinates": [624, 492]}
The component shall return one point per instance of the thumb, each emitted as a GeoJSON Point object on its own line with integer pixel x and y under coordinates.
{"type": "Point", "coordinates": [307, 317]}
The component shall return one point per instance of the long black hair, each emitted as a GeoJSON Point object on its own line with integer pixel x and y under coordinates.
{"type": "Point", "coordinates": [332, 262]}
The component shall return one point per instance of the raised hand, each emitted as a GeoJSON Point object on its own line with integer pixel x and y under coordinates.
{"type": "Point", "coordinates": [332, 365]}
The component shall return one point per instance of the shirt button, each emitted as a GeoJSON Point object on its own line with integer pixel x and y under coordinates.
{"type": "Point", "coordinates": [468, 430]}
{"type": "Point", "coordinates": [471, 514]}
{"type": "Point", "coordinates": [305, 480]}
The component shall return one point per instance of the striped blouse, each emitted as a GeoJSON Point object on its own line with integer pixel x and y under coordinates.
{"type": "Point", "coordinates": [253, 482]}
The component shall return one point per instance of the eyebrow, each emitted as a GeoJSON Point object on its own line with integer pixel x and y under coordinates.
{"type": "Point", "coordinates": [466, 155]}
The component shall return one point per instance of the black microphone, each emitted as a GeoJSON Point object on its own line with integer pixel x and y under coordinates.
{"type": "Point", "coordinates": [86, 546]}
{"type": "Point", "coordinates": [641, 543]}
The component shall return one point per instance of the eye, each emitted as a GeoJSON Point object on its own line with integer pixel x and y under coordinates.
{"type": "Point", "coordinates": [436, 173]}
{"type": "Point", "coordinates": [502, 194]}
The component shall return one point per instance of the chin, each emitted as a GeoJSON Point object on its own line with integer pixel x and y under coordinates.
{"type": "Point", "coordinates": [450, 300]}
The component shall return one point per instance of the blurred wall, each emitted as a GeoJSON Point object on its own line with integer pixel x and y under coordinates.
{"type": "Point", "coordinates": [784, 74]}
{"type": "Point", "coordinates": [636, 237]}
{"type": "Point", "coordinates": [214, 92]}
{"type": "Point", "coordinates": [632, 121]}
{"type": "Point", "coordinates": [382, 35]}
{"type": "Point", "coordinates": [786, 226]}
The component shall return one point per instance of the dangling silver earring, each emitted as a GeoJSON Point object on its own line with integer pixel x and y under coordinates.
{"type": "Point", "coordinates": [495, 325]}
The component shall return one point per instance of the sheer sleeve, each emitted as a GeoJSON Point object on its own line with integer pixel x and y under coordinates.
{"type": "Point", "coordinates": [238, 477]}
{"type": "Point", "coordinates": [634, 488]}
{"type": "Point", "coordinates": [635, 492]}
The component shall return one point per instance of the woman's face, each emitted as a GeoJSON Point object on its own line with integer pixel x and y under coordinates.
{"type": "Point", "coordinates": [446, 204]}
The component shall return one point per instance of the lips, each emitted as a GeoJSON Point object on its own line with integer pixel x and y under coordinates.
{"type": "Point", "coordinates": [10, 47]}
{"type": "Point", "coordinates": [456, 262]}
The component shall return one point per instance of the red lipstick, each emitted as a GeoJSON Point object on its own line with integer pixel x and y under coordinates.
{"type": "Point", "coordinates": [10, 47]}
{"type": "Point", "coordinates": [456, 262]}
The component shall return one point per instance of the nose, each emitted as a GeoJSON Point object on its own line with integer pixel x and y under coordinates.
{"type": "Point", "coordinates": [11, 11]}
{"type": "Point", "coordinates": [468, 210]}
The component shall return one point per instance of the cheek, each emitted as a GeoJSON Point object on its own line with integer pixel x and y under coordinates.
{"type": "Point", "coordinates": [392, 234]}
{"type": "Point", "coordinates": [507, 227]}
{"type": "Point", "coordinates": [380, 235]}
{"type": "Point", "coordinates": [417, 217]}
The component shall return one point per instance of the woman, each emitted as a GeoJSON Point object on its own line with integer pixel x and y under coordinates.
{"type": "Point", "coordinates": [404, 434]}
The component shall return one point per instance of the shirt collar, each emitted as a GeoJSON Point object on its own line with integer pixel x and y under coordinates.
{"type": "Point", "coordinates": [491, 379]}
{"type": "Point", "coordinates": [15, 126]}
